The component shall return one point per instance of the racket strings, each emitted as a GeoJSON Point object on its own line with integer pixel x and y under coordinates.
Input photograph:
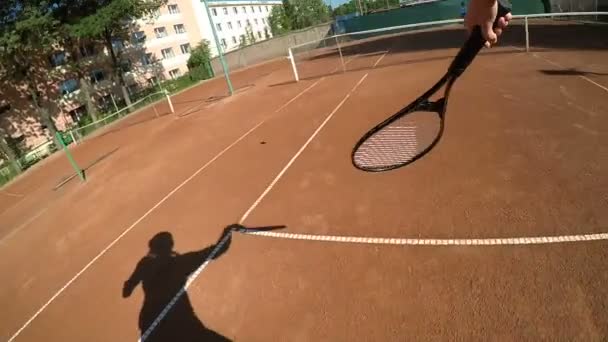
{"type": "Point", "coordinates": [398, 143]}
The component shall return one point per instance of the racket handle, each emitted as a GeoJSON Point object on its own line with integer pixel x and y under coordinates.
{"type": "Point", "coordinates": [473, 45]}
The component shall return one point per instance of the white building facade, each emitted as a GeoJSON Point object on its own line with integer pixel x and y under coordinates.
{"type": "Point", "coordinates": [168, 37]}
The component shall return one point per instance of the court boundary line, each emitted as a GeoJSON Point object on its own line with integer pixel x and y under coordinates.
{"type": "Point", "coordinates": [200, 269]}
{"type": "Point", "coordinates": [299, 152]}
{"type": "Point", "coordinates": [22, 226]}
{"type": "Point", "coordinates": [535, 55]}
{"type": "Point", "coordinates": [115, 241]}
{"type": "Point", "coordinates": [146, 214]}
{"type": "Point", "coordinates": [514, 241]}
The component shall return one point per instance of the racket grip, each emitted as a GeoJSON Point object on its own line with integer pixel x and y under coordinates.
{"type": "Point", "coordinates": [474, 43]}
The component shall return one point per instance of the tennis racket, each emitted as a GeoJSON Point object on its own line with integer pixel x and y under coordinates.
{"type": "Point", "coordinates": [414, 130]}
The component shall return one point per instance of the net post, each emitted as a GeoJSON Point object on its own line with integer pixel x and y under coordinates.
{"type": "Point", "coordinates": [169, 100]}
{"type": "Point", "coordinates": [78, 170]}
{"type": "Point", "coordinates": [73, 137]}
{"type": "Point", "coordinates": [340, 52]}
{"type": "Point", "coordinates": [527, 34]}
{"type": "Point", "coordinates": [293, 65]}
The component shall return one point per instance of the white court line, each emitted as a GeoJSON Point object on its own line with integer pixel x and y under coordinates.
{"type": "Point", "coordinates": [7, 193]}
{"type": "Point", "coordinates": [100, 254]}
{"type": "Point", "coordinates": [276, 179]}
{"type": "Point", "coordinates": [533, 240]}
{"type": "Point", "coordinates": [198, 271]}
{"type": "Point", "coordinates": [379, 59]}
{"type": "Point", "coordinates": [562, 67]}
{"type": "Point", "coordinates": [300, 94]}
{"type": "Point", "coordinates": [23, 225]}
{"type": "Point", "coordinates": [58, 293]}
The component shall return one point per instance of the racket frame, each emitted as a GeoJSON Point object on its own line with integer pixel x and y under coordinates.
{"type": "Point", "coordinates": [463, 59]}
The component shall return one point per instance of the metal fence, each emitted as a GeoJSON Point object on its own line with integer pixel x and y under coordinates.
{"type": "Point", "coordinates": [334, 54]}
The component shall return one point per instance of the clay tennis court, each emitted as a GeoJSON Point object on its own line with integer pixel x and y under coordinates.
{"type": "Point", "coordinates": [501, 231]}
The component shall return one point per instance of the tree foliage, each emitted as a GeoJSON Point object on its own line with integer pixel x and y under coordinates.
{"type": "Point", "coordinates": [200, 55]}
{"type": "Point", "coordinates": [109, 22]}
{"type": "Point", "coordinates": [28, 30]}
{"type": "Point", "coordinates": [364, 6]}
{"type": "Point", "coordinates": [297, 14]}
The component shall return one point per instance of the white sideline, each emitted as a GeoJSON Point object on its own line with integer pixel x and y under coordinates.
{"type": "Point", "coordinates": [314, 134]}
{"type": "Point", "coordinates": [100, 254]}
{"type": "Point", "coordinates": [532, 240]}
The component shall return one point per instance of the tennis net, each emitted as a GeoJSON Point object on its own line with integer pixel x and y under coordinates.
{"type": "Point", "coordinates": [441, 40]}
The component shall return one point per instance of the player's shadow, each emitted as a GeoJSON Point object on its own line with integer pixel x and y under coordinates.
{"type": "Point", "coordinates": [163, 273]}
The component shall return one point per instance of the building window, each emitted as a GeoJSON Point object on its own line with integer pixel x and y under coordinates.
{"type": "Point", "coordinates": [179, 28]}
{"type": "Point", "coordinates": [235, 10]}
{"type": "Point", "coordinates": [185, 48]}
{"type": "Point", "coordinates": [117, 44]}
{"type": "Point", "coordinates": [133, 89]}
{"type": "Point", "coordinates": [69, 86]}
{"type": "Point", "coordinates": [248, 22]}
{"type": "Point", "coordinates": [78, 113]}
{"type": "Point", "coordinates": [126, 65]}
{"type": "Point", "coordinates": [105, 102]}
{"type": "Point", "coordinates": [156, 13]}
{"type": "Point", "coordinates": [255, 21]}
{"type": "Point", "coordinates": [267, 8]}
{"type": "Point", "coordinates": [225, 10]}
{"type": "Point", "coordinates": [242, 39]}
{"type": "Point", "coordinates": [97, 76]}
{"type": "Point", "coordinates": [152, 81]}
{"type": "Point", "coordinates": [175, 73]}
{"type": "Point", "coordinates": [173, 9]}
{"type": "Point", "coordinates": [259, 34]}
{"type": "Point", "coordinates": [229, 25]}
{"type": "Point", "coordinates": [233, 40]}
{"type": "Point", "coordinates": [264, 21]}
{"type": "Point", "coordinates": [224, 45]}
{"type": "Point", "coordinates": [260, 9]}
{"type": "Point", "coordinates": [87, 50]}
{"type": "Point", "coordinates": [167, 53]}
{"type": "Point", "coordinates": [252, 9]}
{"type": "Point", "coordinates": [57, 59]}
{"type": "Point", "coordinates": [238, 23]}
{"type": "Point", "coordinates": [160, 32]}
{"type": "Point", "coordinates": [146, 59]}
{"type": "Point", "coordinates": [244, 9]}
{"type": "Point", "coordinates": [138, 37]}
{"type": "Point", "coordinates": [218, 26]}
{"type": "Point", "coordinates": [214, 11]}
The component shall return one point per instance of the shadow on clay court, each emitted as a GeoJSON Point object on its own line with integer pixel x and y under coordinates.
{"type": "Point", "coordinates": [85, 170]}
{"type": "Point", "coordinates": [163, 273]}
{"type": "Point", "coordinates": [571, 72]}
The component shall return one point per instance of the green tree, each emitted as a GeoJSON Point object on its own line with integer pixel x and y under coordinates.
{"type": "Point", "coordinates": [297, 14]}
{"type": "Point", "coordinates": [307, 13]}
{"type": "Point", "coordinates": [110, 22]}
{"type": "Point", "coordinates": [200, 55]}
{"type": "Point", "coordinates": [28, 33]}
{"type": "Point", "coordinates": [199, 63]}
{"type": "Point", "coordinates": [278, 21]}
{"type": "Point", "coordinates": [249, 34]}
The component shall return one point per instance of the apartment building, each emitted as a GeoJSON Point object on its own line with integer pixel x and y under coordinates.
{"type": "Point", "coordinates": [168, 36]}
{"type": "Point", "coordinates": [158, 49]}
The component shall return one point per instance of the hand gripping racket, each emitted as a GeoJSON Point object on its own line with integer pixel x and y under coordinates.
{"type": "Point", "coordinates": [414, 130]}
